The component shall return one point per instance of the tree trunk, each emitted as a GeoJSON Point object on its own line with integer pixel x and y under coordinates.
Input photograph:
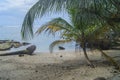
{"type": "Point", "coordinates": [83, 45]}
{"type": "Point", "coordinates": [111, 60]}
{"type": "Point", "coordinates": [87, 58]}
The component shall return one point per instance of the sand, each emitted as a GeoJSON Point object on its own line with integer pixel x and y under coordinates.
{"type": "Point", "coordinates": [61, 65]}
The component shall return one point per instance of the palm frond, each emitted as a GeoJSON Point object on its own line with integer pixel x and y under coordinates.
{"type": "Point", "coordinates": [57, 24]}
{"type": "Point", "coordinates": [98, 33]}
{"type": "Point", "coordinates": [48, 6]}
{"type": "Point", "coordinates": [36, 11]}
{"type": "Point", "coordinates": [56, 43]}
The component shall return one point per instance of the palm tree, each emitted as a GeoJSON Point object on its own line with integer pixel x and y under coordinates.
{"type": "Point", "coordinates": [67, 32]}
{"type": "Point", "coordinates": [74, 31]}
{"type": "Point", "coordinates": [86, 16]}
{"type": "Point", "coordinates": [70, 33]}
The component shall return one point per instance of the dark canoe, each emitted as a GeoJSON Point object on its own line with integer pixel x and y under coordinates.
{"type": "Point", "coordinates": [61, 48]}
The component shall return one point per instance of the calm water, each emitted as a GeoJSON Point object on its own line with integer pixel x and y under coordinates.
{"type": "Point", "coordinates": [42, 41]}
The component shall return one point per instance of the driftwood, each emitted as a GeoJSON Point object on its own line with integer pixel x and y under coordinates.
{"type": "Point", "coordinates": [28, 51]}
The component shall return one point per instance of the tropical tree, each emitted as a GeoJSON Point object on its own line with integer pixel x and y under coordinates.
{"type": "Point", "coordinates": [86, 16]}
{"type": "Point", "coordinates": [70, 33]}
{"type": "Point", "coordinates": [67, 32]}
{"type": "Point", "coordinates": [74, 32]}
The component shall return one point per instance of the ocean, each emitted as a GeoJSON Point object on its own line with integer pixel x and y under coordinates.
{"type": "Point", "coordinates": [41, 41]}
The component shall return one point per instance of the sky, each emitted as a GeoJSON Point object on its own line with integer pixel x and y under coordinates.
{"type": "Point", "coordinates": [12, 12]}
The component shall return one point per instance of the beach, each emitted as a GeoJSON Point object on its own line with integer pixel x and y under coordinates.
{"type": "Point", "coordinates": [84, 36]}
{"type": "Point", "coordinates": [62, 65]}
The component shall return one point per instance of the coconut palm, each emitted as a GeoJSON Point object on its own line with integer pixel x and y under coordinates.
{"type": "Point", "coordinates": [70, 33]}
{"type": "Point", "coordinates": [74, 31]}
{"type": "Point", "coordinates": [86, 16]}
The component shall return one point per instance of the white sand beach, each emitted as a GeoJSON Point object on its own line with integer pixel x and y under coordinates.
{"type": "Point", "coordinates": [56, 66]}
{"type": "Point", "coordinates": [29, 29]}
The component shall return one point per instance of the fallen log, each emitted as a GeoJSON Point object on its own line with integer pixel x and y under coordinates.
{"type": "Point", "coordinates": [28, 51]}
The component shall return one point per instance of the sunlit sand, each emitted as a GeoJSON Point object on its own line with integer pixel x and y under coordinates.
{"type": "Point", "coordinates": [63, 65]}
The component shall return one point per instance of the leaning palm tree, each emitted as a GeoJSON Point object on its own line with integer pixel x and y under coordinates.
{"type": "Point", "coordinates": [79, 30]}
{"type": "Point", "coordinates": [86, 15]}
{"type": "Point", "coordinates": [70, 33]}
{"type": "Point", "coordinates": [67, 32]}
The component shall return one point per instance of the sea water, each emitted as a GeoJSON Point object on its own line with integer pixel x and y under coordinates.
{"type": "Point", "coordinates": [42, 41]}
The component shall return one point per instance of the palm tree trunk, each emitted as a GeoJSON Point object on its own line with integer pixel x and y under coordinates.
{"type": "Point", "coordinates": [83, 45]}
{"type": "Point", "coordinates": [112, 61]}
{"type": "Point", "coordinates": [86, 57]}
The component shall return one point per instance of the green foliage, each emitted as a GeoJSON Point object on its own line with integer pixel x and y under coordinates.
{"type": "Point", "coordinates": [91, 13]}
{"type": "Point", "coordinates": [90, 19]}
